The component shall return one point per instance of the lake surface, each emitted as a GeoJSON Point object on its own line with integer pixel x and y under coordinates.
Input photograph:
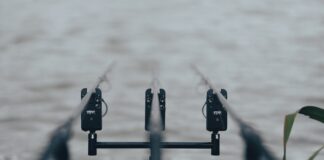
{"type": "Point", "coordinates": [269, 55]}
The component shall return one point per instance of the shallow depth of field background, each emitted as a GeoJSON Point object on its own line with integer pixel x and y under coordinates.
{"type": "Point", "coordinates": [268, 54]}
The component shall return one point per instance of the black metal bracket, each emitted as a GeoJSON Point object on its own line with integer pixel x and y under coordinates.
{"type": "Point", "coordinates": [94, 145]}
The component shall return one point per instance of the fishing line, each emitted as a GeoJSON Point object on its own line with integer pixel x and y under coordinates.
{"type": "Point", "coordinates": [202, 110]}
{"type": "Point", "coordinates": [106, 106]}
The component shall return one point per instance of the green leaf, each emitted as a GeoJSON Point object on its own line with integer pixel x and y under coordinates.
{"type": "Point", "coordinates": [289, 122]}
{"type": "Point", "coordinates": [316, 153]}
{"type": "Point", "coordinates": [311, 111]}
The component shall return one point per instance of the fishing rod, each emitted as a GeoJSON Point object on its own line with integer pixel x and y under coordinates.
{"type": "Point", "coordinates": [57, 148]}
{"type": "Point", "coordinates": [255, 149]}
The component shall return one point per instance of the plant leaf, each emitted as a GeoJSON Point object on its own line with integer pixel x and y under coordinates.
{"type": "Point", "coordinates": [313, 112]}
{"type": "Point", "coordinates": [289, 122]}
{"type": "Point", "coordinates": [316, 153]}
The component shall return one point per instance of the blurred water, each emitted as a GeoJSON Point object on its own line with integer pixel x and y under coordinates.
{"type": "Point", "coordinates": [267, 54]}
